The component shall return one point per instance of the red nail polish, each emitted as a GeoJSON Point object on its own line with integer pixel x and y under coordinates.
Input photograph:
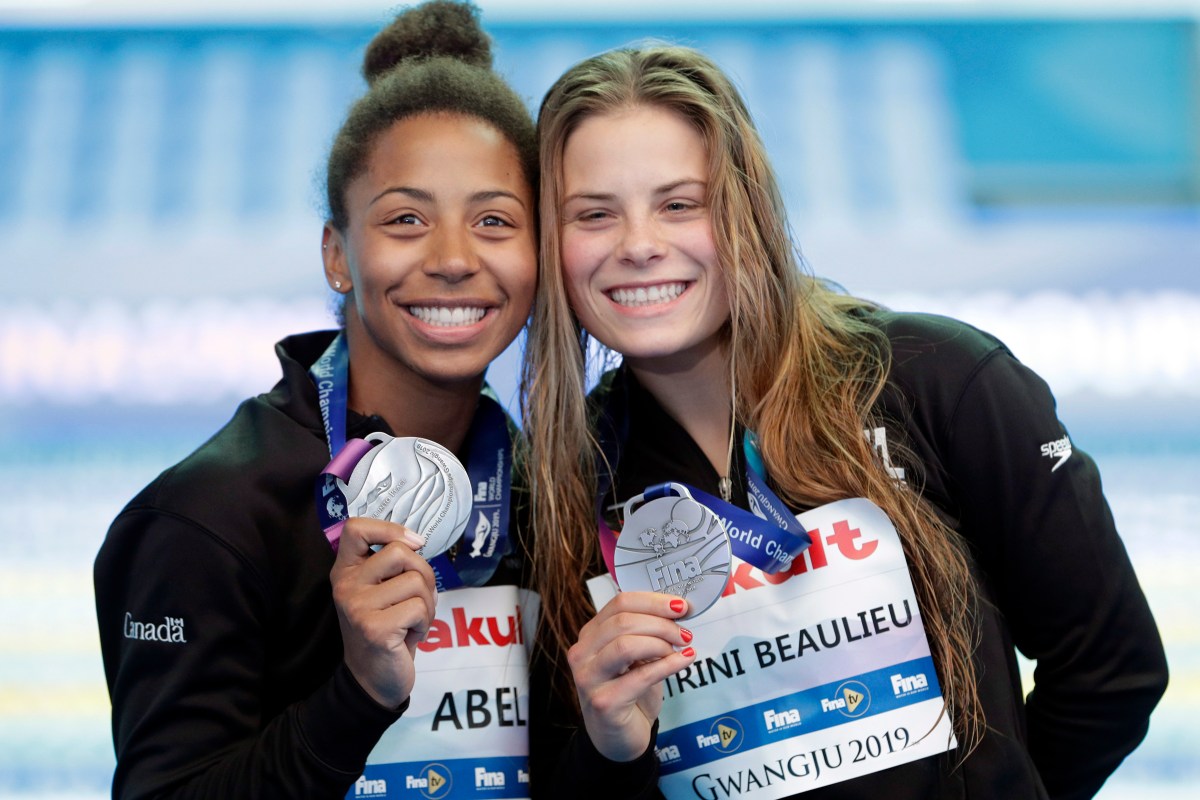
{"type": "Point", "coordinates": [688, 652]}
{"type": "Point", "coordinates": [678, 605]}
{"type": "Point", "coordinates": [686, 634]}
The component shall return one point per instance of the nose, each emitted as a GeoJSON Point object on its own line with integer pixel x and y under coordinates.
{"type": "Point", "coordinates": [453, 258]}
{"type": "Point", "coordinates": [641, 242]}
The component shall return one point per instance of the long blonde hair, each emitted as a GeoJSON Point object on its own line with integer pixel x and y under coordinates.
{"type": "Point", "coordinates": [808, 369]}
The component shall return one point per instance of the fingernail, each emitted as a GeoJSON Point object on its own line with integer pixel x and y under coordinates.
{"type": "Point", "coordinates": [413, 541]}
{"type": "Point", "coordinates": [687, 652]}
{"type": "Point", "coordinates": [686, 634]}
{"type": "Point", "coordinates": [677, 605]}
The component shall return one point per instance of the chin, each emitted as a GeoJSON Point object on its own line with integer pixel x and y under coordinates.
{"type": "Point", "coordinates": [450, 371]}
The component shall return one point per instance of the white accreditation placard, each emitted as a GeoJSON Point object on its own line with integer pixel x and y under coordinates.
{"type": "Point", "coordinates": [818, 674]}
{"type": "Point", "coordinates": [465, 733]}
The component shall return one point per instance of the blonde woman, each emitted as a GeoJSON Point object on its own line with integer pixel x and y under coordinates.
{"type": "Point", "coordinates": [664, 239]}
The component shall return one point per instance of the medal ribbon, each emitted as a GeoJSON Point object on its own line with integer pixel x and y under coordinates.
{"type": "Point", "coordinates": [768, 536]}
{"type": "Point", "coordinates": [489, 466]}
{"type": "Point", "coordinates": [329, 375]}
{"type": "Point", "coordinates": [754, 539]}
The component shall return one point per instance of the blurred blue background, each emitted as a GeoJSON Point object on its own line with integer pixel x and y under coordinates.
{"type": "Point", "coordinates": [1032, 169]}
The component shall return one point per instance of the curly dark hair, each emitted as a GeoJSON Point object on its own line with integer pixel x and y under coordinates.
{"type": "Point", "coordinates": [433, 58]}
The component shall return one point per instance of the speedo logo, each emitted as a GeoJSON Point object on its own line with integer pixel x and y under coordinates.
{"type": "Point", "coordinates": [368, 787]}
{"type": "Point", "coordinates": [1059, 449]}
{"type": "Point", "coordinates": [434, 781]}
{"type": "Point", "coordinates": [851, 699]}
{"type": "Point", "coordinates": [170, 630]}
{"type": "Point", "coordinates": [725, 734]}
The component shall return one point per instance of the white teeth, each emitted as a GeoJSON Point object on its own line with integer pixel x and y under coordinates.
{"type": "Point", "coordinates": [646, 296]}
{"type": "Point", "coordinates": [445, 317]}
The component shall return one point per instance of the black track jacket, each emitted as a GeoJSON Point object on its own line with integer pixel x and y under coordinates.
{"type": "Point", "coordinates": [1055, 579]}
{"type": "Point", "coordinates": [217, 625]}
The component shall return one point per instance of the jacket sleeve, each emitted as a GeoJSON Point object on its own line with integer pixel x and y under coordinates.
{"type": "Point", "coordinates": [563, 762]}
{"type": "Point", "coordinates": [1035, 515]}
{"type": "Point", "coordinates": [182, 620]}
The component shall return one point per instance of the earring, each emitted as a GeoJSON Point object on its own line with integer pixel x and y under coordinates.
{"type": "Point", "coordinates": [337, 285]}
{"type": "Point", "coordinates": [324, 247]}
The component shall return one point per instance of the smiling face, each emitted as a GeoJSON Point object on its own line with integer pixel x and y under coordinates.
{"type": "Point", "coordinates": [439, 257]}
{"type": "Point", "coordinates": [638, 257]}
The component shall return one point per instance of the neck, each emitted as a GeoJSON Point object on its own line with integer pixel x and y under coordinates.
{"type": "Point", "coordinates": [410, 404]}
{"type": "Point", "coordinates": [696, 392]}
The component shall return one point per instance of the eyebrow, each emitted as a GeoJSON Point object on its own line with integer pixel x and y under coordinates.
{"type": "Point", "coordinates": [494, 194]}
{"type": "Point", "coordinates": [424, 196]}
{"type": "Point", "coordinates": [408, 191]}
{"type": "Point", "coordinates": [666, 188]}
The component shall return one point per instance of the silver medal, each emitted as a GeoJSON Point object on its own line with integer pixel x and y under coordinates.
{"type": "Point", "coordinates": [416, 483]}
{"type": "Point", "coordinates": [674, 545]}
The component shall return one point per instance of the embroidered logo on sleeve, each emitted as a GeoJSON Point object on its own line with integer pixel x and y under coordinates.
{"type": "Point", "coordinates": [170, 630]}
{"type": "Point", "coordinates": [1059, 449]}
{"type": "Point", "coordinates": [878, 438]}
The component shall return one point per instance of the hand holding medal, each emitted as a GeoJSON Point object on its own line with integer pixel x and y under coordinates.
{"type": "Point", "coordinates": [386, 596]}
{"type": "Point", "coordinates": [672, 563]}
{"type": "Point", "coordinates": [413, 482]}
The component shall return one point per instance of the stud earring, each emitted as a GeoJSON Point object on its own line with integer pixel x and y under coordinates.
{"type": "Point", "coordinates": [337, 285]}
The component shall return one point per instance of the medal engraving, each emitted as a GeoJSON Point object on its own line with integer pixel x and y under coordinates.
{"type": "Point", "coordinates": [416, 483]}
{"type": "Point", "coordinates": [676, 546]}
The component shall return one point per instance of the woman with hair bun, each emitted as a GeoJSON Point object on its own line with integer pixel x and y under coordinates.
{"type": "Point", "coordinates": [251, 653]}
{"type": "Point", "coordinates": [949, 514]}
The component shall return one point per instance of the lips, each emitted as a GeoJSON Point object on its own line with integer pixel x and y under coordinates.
{"type": "Point", "coordinates": [635, 297]}
{"type": "Point", "coordinates": [448, 316]}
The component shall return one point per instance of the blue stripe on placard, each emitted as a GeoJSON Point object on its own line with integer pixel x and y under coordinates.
{"type": "Point", "coordinates": [814, 709]}
{"type": "Point", "coordinates": [475, 778]}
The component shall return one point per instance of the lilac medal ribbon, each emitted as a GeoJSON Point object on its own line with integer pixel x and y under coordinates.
{"type": "Point", "coordinates": [489, 466]}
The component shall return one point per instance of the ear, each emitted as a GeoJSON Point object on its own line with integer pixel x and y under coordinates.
{"type": "Point", "coordinates": [333, 254]}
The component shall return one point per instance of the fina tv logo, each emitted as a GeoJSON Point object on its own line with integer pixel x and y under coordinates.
{"type": "Point", "coordinates": [851, 699]}
{"type": "Point", "coordinates": [433, 782]}
{"type": "Point", "coordinates": [368, 787]}
{"type": "Point", "coordinates": [726, 735]}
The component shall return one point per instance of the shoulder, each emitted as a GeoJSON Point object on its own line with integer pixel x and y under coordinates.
{"type": "Point", "coordinates": [240, 484]}
{"type": "Point", "coordinates": [934, 359]}
{"type": "Point", "coordinates": [270, 440]}
{"type": "Point", "coordinates": [914, 337]}
{"type": "Point", "coordinates": [257, 448]}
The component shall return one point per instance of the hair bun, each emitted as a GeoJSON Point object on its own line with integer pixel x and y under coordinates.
{"type": "Point", "coordinates": [434, 28]}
